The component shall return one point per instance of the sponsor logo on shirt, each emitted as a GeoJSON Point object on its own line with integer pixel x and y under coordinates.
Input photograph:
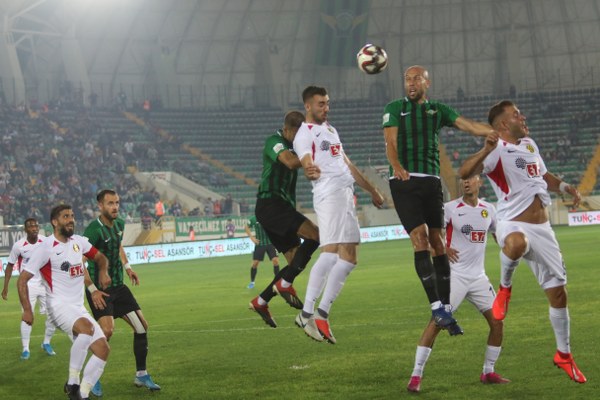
{"type": "Point", "coordinates": [336, 150]}
{"type": "Point", "coordinates": [76, 271]}
{"type": "Point", "coordinates": [278, 147]}
{"type": "Point", "coordinates": [386, 118]}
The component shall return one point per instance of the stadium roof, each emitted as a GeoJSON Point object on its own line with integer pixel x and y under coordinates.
{"type": "Point", "coordinates": [239, 50]}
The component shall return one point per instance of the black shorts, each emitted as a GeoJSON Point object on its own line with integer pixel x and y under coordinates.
{"type": "Point", "coordinates": [418, 201]}
{"type": "Point", "coordinates": [281, 221]}
{"type": "Point", "coordinates": [259, 252]}
{"type": "Point", "coordinates": [119, 303]}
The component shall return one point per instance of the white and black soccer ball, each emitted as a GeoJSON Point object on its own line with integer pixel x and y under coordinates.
{"type": "Point", "coordinates": [372, 59]}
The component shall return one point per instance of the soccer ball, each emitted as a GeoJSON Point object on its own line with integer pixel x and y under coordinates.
{"type": "Point", "coordinates": [371, 59]}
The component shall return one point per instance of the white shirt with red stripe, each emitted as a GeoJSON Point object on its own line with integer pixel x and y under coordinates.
{"type": "Point", "coordinates": [62, 268]}
{"type": "Point", "coordinates": [323, 143]}
{"type": "Point", "coordinates": [516, 173]}
{"type": "Point", "coordinates": [466, 231]}
{"type": "Point", "coordinates": [21, 251]}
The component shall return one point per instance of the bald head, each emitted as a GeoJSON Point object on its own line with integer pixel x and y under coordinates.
{"type": "Point", "coordinates": [416, 83]}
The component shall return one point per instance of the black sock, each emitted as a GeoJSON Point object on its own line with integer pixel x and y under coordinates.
{"type": "Point", "coordinates": [253, 272]}
{"type": "Point", "coordinates": [275, 269]}
{"type": "Point", "coordinates": [441, 265]}
{"type": "Point", "coordinates": [268, 293]}
{"type": "Point", "coordinates": [425, 271]}
{"type": "Point", "coordinates": [301, 258]}
{"type": "Point", "coordinates": [140, 349]}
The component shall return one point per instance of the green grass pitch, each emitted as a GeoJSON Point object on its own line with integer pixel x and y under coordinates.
{"type": "Point", "coordinates": [206, 344]}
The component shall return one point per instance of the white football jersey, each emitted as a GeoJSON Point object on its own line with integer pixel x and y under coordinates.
{"type": "Point", "coordinates": [323, 143]}
{"type": "Point", "coordinates": [62, 268]}
{"type": "Point", "coordinates": [467, 229]}
{"type": "Point", "coordinates": [516, 173]}
{"type": "Point", "coordinates": [20, 252]}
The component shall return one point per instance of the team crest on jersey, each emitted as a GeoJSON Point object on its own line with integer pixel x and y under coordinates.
{"type": "Point", "coordinates": [484, 213]}
{"type": "Point", "coordinates": [431, 112]}
{"type": "Point", "coordinates": [330, 129]}
{"type": "Point", "coordinates": [75, 248]}
{"type": "Point", "coordinates": [530, 148]}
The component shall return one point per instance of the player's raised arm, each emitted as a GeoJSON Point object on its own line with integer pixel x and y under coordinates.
{"type": "Point", "coordinates": [473, 127]}
{"type": "Point", "coordinates": [474, 163]}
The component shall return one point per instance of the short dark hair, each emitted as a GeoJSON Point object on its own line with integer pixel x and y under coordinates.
{"type": "Point", "coordinates": [497, 110]}
{"type": "Point", "coordinates": [104, 192]}
{"type": "Point", "coordinates": [29, 220]}
{"type": "Point", "coordinates": [54, 213]}
{"type": "Point", "coordinates": [293, 119]}
{"type": "Point", "coordinates": [311, 91]}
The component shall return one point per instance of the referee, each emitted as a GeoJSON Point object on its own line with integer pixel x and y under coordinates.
{"type": "Point", "coordinates": [411, 128]}
{"type": "Point", "coordinates": [262, 245]}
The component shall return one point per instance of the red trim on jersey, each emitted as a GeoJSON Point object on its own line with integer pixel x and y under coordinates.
{"type": "Point", "coordinates": [309, 126]}
{"type": "Point", "coordinates": [92, 253]}
{"type": "Point", "coordinates": [460, 205]}
{"type": "Point", "coordinates": [482, 205]}
{"type": "Point", "coordinates": [449, 230]}
{"type": "Point", "coordinates": [46, 272]}
{"type": "Point", "coordinates": [314, 150]}
{"type": "Point", "coordinates": [497, 175]}
{"type": "Point", "coordinates": [56, 242]}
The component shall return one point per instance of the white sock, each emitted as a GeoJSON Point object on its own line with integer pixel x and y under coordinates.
{"type": "Point", "coordinates": [261, 301]}
{"type": "Point", "coordinates": [491, 356]}
{"type": "Point", "coordinates": [335, 282]}
{"type": "Point", "coordinates": [436, 304]}
{"type": "Point", "coordinates": [50, 328]}
{"type": "Point", "coordinates": [317, 279]}
{"type": "Point", "coordinates": [559, 318]}
{"type": "Point", "coordinates": [421, 357]}
{"type": "Point", "coordinates": [507, 269]}
{"type": "Point", "coordinates": [142, 372]}
{"type": "Point", "coordinates": [91, 374]}
{"type": "Point", "coordinates": [79, 350]}
{"type": "Point", "coordinates": [25, 335]}
{"type": "Point", "coordinates": [285, 284]}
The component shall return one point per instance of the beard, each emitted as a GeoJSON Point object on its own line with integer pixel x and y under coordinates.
{"type": "Point", "coordinates": [67, 231]}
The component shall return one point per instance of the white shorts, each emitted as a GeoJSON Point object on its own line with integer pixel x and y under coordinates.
{"type": "Point", "coordinates": [337, 219]}
{"type": "Point", "coordinates": [478, 291]}
{"type": "Point", "coordinates": [544, 257]}
{"type": "Point", "coordinates": [37, 292]}
{"type": "Point", "coordinates": [64, 316]}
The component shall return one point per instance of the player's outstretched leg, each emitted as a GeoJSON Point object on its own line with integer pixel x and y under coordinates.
{"type": "Point", "coordinates": [262, 310]}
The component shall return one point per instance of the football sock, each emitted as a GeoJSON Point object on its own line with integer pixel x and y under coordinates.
{"type": "Point", "coordinates": [141, 373]}
{"type": "Point", "coordinates": [253, 272]}
{"type": "Point", "coordinates": [301, 258]}
{"type": "Point", "coordinates": [91, 374]}
{"type": "Point", "coordinates": [335, 282]}
{"type": "Point", "coordinates": [25, 335]}
{"type": "Point", "coordinates": [285, 284]}
{"type": "Point", "coordinates": [491, 356]}
{"type": "Point", "coordinates": [421, 357]}
{"type": "Point", "coordinates": [425, 271]}
{"type": "Point", "coordinates": [50, 328]}
{"type": "Point", "coordinates": [317, 279]}
{"type": "Point", "coordinates": [140, 350]}
{"type": "Point", "coordinates": [322, 314]}
{"type": "Point", "coordinates": [275, 269]}
{"type": "Point", "coordinates": [261, 301]}
{"type": "Point", "coordinates": [507, 269]}
{"type": "Point", "coordinates": [441, 266]}
{"type": "Point", "coordinates": [79, 350]}
{"type": "Point", "coordinates": [559, 318]}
